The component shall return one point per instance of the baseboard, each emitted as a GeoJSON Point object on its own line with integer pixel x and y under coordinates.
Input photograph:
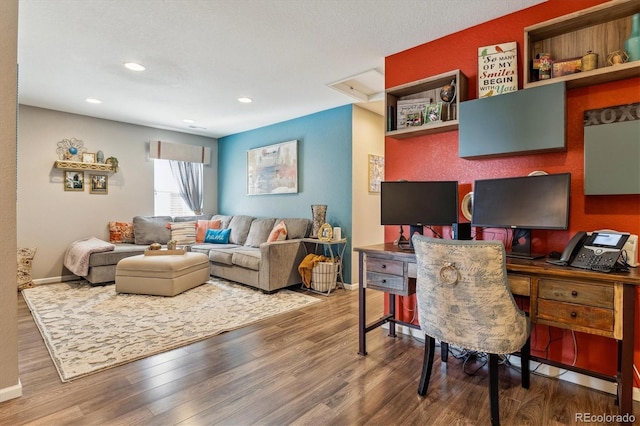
{"type": "Point", "coordinates": [543, 369]}
{"type": "Point", "coordinates": [53, 280]}
{"type": "Point", "coordinates": [350, 286]}
{"type": "Point", "coordinates": [11, 392]}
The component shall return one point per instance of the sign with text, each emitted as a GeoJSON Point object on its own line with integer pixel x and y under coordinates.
{"type": "Point", "coordinates": [497, 69]}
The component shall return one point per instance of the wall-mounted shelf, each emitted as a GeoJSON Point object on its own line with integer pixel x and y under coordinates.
{"type": "Point", "coordinates": [432, 85]}
{"type": "Point", "coordinates": [601, 29]}
{"type": "Point", "coordinates": [76, 165]}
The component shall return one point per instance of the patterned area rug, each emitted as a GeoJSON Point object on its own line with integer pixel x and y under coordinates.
{"type": "Point", "coordinates": [88, 329]}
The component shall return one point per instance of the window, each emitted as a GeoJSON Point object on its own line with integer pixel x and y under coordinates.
{"type": "Point", "coordinates": [167, 198]}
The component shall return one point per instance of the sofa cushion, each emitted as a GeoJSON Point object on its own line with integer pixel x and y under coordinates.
{"type": "Point", "coordinates": [278, 233]}
{"type": "Point", "coordinates": [296, 227]}
{"type": "Point", "coordinates": [221, 255]}
{"type": "Point", "coordinates": [240, 225]}
{"type": "Point", "coordinates": [191, 218]}
{"type": "Point", "coordinates": [247, 258]}
{"type": "Point", "coordinates": [259, 232]}
{"type": "Point", "coordinates": [217, 236]}
{"type": "Point", "coordinates": [224, 220]}
{"type": "Point", "coordinates": [151, 229]}
{"type": "Point", "coordinates": [121, 232]}
{"type": "Point", "coordinates": [113, 257]}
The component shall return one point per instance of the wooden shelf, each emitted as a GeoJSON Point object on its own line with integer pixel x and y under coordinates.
{"type": "Point", "coordinates": [601, 29]}
{"type": "Point", "coordinates": [76, 165]}
{"type": "Point", "coordinates": [432, 86]}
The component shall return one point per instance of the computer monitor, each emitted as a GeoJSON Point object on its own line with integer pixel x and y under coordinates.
{"type": "Point", "coordinates": [419, 204]}
{"type": "Point", "coordinates": [522, 203]}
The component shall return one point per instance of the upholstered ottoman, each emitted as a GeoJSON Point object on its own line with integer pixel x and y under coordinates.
{"type": "Point", "coordinates": [165, 275]}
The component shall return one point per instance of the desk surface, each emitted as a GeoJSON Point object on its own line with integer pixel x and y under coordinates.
{"type": "Point", "coordinates": [537, 266]}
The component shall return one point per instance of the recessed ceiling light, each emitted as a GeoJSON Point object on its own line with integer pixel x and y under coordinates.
{"type": "Point", "coordinates": [134, 66]}
{"type": "Point", "coordinates": [245, 100]}
{"type": "Point", "coordinates": [93, 101]}
{"type": "Point", "coordinates": [188, 120]}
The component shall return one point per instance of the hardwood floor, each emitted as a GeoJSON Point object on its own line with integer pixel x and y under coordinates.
{"type": "Point", "coordinates": [297, 368]}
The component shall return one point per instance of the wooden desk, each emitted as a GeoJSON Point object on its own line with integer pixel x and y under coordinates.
{"type": "Point", "coordinates": [575, 299]}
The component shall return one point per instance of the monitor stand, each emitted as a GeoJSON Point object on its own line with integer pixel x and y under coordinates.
{"type": "Point", "coordinates": [408, 244]}
{"type": "Point", "coordinates": [521, 245]}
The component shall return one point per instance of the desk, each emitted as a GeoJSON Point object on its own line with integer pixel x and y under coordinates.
{"type": "Point", "coordinates": [575, 299]}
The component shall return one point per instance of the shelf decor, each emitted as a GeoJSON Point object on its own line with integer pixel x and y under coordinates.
{"type": "Point", "coordinates": [497, 69]}
{"type": "Point", "coordinates": [70, 149]}
{"type": "Point", "coordinates": [273, 169]}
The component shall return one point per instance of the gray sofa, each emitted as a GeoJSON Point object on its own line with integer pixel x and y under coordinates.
{"type": "Point", "coordinates": [248, 258]}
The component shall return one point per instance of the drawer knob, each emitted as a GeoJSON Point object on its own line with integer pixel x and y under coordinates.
{"type": "Point", "coordinates": [384, 281]}
{"type": "Point", "coordinates": [384, 266]}
{"type": "Point", "coordinates": [573, 315]}
{"type": "Point", "coordinates": [574, 293]}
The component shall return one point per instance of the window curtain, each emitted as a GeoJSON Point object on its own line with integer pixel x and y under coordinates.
{"type": "Point", "coordinates": [189, 178]}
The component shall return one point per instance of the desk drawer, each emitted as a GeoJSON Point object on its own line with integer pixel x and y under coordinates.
{"type": "Point", "coordinates": [385, 266]}
{"type": "Point", "coordinates": [583, 294]}
{"type": "Point", "coordinates": [520, 285]}
{"type": "Point", "coordinates": [385, 282]}
{"type": "Point", "coordinates": [576, 315]}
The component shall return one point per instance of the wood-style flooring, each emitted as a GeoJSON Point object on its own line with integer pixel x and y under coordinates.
{"type": "Point", "coordinates": [298, 368]}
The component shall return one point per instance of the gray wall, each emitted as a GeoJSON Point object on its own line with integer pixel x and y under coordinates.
{"type": "Point", "coordinates": [50, 218]}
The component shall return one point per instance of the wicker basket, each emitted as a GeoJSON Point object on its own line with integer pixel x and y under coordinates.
{"type": "Point", "coordinates": [324, 276]}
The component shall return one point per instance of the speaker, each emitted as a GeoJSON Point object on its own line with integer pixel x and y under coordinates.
{"type": "Point", "coordinates": [461, 231]}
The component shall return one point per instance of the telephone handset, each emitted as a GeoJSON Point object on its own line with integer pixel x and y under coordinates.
{"type": "Point", "coordinates": [597, 251]}
{"type": "Point", "coordinates": [571, 250]}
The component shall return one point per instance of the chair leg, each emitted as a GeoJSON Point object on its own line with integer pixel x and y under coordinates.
{"type": "Point", "coordinates": [493, 389]}
{"type": "Point", "coordinates": [444, 351]}
{"type": "Point", "coordinates": [427, 364]}
{"type": "Point", "coordinates": [525, 356]}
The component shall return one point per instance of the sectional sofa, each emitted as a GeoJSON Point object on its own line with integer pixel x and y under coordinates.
{"type": "Point", "coordinates": [247, 257]}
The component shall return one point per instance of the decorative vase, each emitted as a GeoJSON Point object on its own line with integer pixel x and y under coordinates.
{"type": "Point", "coordinates": [632, 44]}
{"type": "Point", "coordinates": [319, 215]}
{"type": "Point", "coordinates": [100, 157]}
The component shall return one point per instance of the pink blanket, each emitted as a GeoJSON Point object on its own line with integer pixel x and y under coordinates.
{"type": "Point", "coordinates": [76, 259]}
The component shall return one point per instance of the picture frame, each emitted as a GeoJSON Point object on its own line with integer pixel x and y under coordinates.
{"type": "Point", "coordinates": [98, 184]}
{"type": "Point", "coordinates": [433, 113]}
{"type": "Point", "coordinates": [376, 172]}
{"type": "Point", "coordinates": [325, 233]}
{"type": "Point", "coordinates": [273, 169]}
{"type": "Point", "coordinates": [88, 157]}
{"type": "Point", "coordinates": [73, 180]}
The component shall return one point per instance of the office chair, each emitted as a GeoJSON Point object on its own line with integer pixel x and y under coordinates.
{"type": "Point", "coordinates": [463, 299]}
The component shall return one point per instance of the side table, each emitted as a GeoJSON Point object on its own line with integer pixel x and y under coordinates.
{"type": "Point", "coordinates": [334, 249]}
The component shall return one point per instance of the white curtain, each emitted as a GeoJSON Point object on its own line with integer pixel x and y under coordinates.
{"type": "Point", "coordinates": [189, 178]}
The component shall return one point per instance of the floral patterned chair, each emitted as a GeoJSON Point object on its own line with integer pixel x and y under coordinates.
{"type": "Point", "coordinates": [464, 299]}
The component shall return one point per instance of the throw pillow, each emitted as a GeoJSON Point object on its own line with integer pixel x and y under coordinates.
{"type": "Point", "coordinates": [25, 260]}
{"type": "Point", "coordinates": [183, 232]}
{"type": "Point", "coordinates": [217, 236]}
{"type": "Point", "coordinates": [203, 225]}
{"type": "Point", "coordinates": [121, 232]}
{"type": "Point", "coordinates": [278, 233]}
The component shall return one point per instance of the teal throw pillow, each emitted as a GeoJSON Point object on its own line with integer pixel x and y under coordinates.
{"type": "Point", "coordinates": [217, 236]}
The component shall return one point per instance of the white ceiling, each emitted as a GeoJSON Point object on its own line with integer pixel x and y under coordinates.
{"type": "Point", "coordinates": [201, 55]}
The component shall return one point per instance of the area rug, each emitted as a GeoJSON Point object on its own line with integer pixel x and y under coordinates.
{"type": "Point", "coordinates": [89, 329]}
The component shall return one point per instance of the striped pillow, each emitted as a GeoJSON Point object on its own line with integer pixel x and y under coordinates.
{"type": "Point", "coordinates": [183, 232]}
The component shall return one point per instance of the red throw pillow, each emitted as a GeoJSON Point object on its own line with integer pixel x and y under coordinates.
{"type": "Point", "coordinates": [121, 232]}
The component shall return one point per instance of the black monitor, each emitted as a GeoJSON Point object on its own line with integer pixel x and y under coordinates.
{"type": "Point", "coordinates": [418, 204]}
{"type": "Point", "coordinates": [522, 203]}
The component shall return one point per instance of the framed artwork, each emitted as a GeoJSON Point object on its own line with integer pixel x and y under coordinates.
{"type": "Point", "coordinates": [99, 184]}
{"type": "Point", "coordinates": [433, 113]}
{"type": "Point", "coordinates": [376, 172]}
{"type": "Point", "coordinates": [73, 180]}
{"type": "Point", "coordinates": [273, 169]}
{"type": "Point", "coordinates": [89, 157]}
{"type": "Point", "coordinates": [325, 233]}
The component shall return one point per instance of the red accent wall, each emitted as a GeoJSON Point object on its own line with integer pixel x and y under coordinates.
{"type": "Point", "coordinates": [435, 157]}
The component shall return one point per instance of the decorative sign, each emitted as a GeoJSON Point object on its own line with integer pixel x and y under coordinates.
{"type": "Point", "coordinates": [497, 69]}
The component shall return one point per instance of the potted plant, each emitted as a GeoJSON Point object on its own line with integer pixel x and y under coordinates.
{"type": "Point", "coordinates": [172, 244]}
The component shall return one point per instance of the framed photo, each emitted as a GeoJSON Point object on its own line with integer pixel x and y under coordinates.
{"type": "Point", "coordinates": [273, 169]}
{"type": "Point", "coordinates": [325, 233]}
{"type": "Point", "coordinates": [98, 184]}
{"type": "Point", "coordinates": [433, 113]}
{"type": "Point", "coordinates": [376, 172]}
{"type": "Point", "coordinates": [88, 157]}
{"type": "Point", "coordinates": [73, 180]}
